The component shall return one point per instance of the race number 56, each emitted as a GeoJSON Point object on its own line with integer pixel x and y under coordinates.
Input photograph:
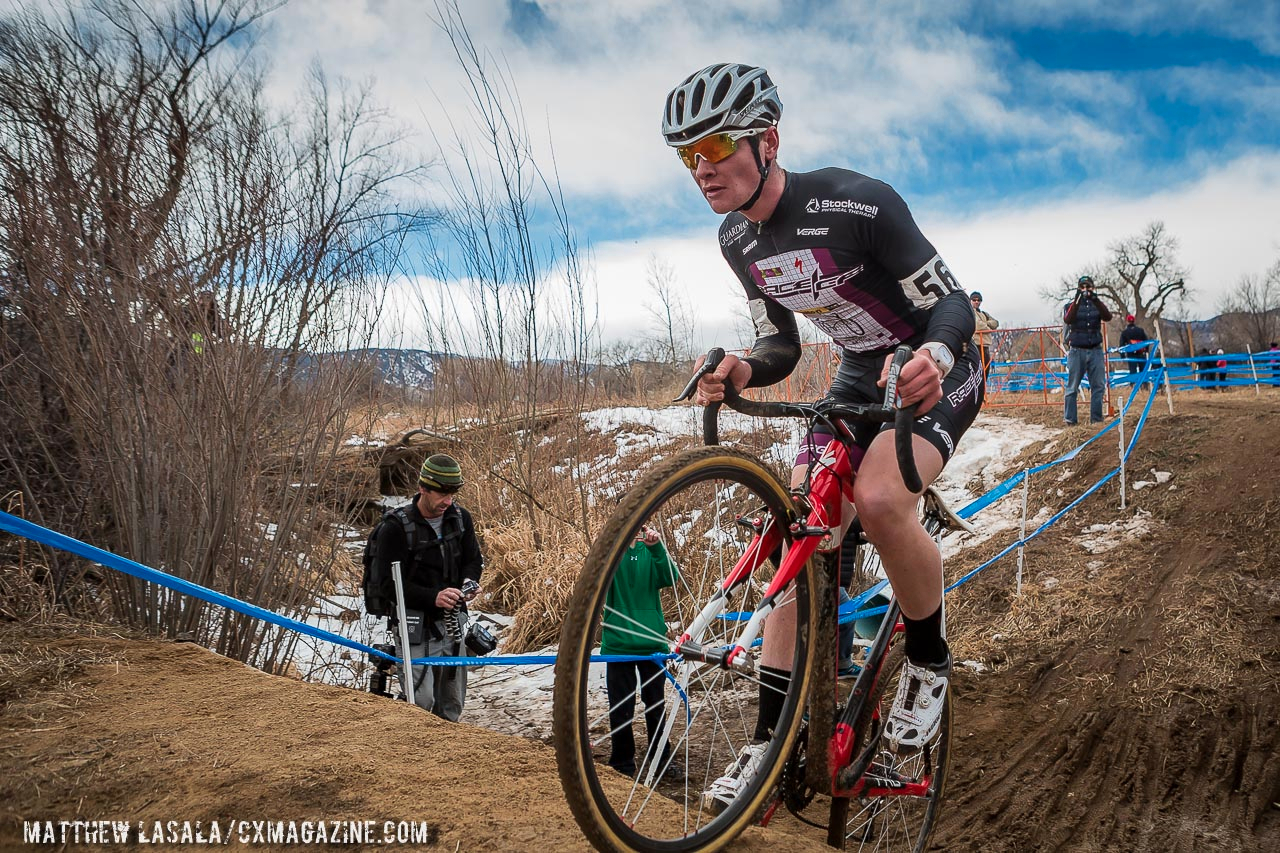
{"type": "Point", "coordinates": [930, 283]}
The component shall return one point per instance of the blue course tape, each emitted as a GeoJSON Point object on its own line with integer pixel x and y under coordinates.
{"type": "Point", "coordinates": [1133, 441]}
{"type": "Point", "coordinates": [848, 612]}
{"type": "Point", "coordinates": [44, 536]}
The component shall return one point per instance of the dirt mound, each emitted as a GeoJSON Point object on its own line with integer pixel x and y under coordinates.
{"type": "Point", "coordinates": [1130, 699]}
{"type": "Point", "coordinates": [1135, 700]}
{"type": "Point", "coordinates": [148, 731]}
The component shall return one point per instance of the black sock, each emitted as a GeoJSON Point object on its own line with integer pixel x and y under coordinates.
{"type": "Point", "coordinates": [773, 695]}
{"type": "Point", "coordinates": [924, 639]}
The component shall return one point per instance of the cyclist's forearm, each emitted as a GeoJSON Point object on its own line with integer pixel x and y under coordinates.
{"type": "Point", "coordinates": [951, 322]}
{"type": "Point", "coordinates": [772, 359]}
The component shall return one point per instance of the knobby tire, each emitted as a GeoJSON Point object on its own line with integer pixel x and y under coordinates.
{"type": "Point", "coordinates": [682, 496]}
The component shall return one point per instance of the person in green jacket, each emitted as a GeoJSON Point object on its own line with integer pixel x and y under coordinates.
{"type": "Point", "coordinates": [634, 625]}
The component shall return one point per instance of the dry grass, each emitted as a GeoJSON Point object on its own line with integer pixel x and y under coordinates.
{"type": "Point", "coordinates": [532, 584]}
{"type": "Point", "coordinates": [41, 661]}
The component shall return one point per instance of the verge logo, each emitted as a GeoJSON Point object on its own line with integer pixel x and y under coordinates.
{"type": "Point", "coordinates": [811, 232]}
{"type": "Point", "coordinates": [812, 206]}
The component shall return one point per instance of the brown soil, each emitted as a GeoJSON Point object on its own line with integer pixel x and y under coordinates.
{"type": "Point", "coordinates": [1131, 698]}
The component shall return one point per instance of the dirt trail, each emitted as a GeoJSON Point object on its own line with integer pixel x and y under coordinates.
{"type": "Point", "coordinates": [1131, 700]}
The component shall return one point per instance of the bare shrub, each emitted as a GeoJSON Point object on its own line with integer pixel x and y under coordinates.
{"type": "Point", "coordinates": [172, 256]}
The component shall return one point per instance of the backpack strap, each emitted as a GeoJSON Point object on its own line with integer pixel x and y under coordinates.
{"type": "Point", "coordinates": [455, 530]}
{"type": "Point", "coordinates": [410, 528]}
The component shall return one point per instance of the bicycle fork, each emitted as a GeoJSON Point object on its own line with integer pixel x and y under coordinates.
{"type": "Point", "coordinates": [806, 536]}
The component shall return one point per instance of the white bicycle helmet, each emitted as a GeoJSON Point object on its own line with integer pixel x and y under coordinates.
{"type": "Point", "coordinates": [720, 97]}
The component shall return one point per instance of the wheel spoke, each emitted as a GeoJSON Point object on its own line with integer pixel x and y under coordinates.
{"type": "Point", "coordinates": [708, 716]}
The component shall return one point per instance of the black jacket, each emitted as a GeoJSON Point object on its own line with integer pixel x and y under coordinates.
{"type": "Point", "coordinates": [1084, 317]}
{"type": "Point", "coordinates": [440, 562]}
{"type": "Point", "coordinates": [1132, 334]}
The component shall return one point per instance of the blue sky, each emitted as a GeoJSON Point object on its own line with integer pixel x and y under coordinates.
{"type": "Point", "coordinates": [1024, 136]}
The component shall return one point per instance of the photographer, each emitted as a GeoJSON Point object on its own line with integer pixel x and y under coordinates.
{"type": "Point", "coordinates": [1084, 316]}
{"type": "Point", "coordinates": [634, 625]}
{"type": "Point", "coordinates": [447, 555]}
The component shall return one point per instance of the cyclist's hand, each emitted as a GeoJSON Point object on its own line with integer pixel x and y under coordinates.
{"type": "Point", "coordinates": [920, 382]}
{"type": "Point", "coordinates": [711, 386]}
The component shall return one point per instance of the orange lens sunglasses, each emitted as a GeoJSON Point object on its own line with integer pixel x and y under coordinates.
{"type": "Point", "coordinates": [715, 147]}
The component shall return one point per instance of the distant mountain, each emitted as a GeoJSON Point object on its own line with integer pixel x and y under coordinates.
{"type": "Point", "coordinates": [408, 368]}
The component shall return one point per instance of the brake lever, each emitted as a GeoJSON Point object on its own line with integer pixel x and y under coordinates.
{"type": "Point", "coordinates": [710, 363]}
{"type": "Point", "coordinates": [904, 422]}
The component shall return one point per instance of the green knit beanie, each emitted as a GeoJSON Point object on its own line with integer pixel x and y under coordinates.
{"type": "Point", "coordinates": [441, 473]}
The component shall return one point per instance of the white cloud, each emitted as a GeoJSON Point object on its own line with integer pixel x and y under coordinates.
{"type": "Point", "coordinates": [856, 83]}
{"type": "Point", "coordinates": [1228, 224]}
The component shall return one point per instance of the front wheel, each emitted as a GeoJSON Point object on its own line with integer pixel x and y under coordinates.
{"type": "Point", "coordinates": [900, 794]}
{"type": "Point", "coordinates": [709, 507]}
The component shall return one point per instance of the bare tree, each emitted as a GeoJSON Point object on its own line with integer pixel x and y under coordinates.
{"type": "Point", "coordinates": [1251, 312]}
{"type": "Point", "coordinates": [670, 314]}
{"type": "Point", "coordinates": [519, 304]}
{"type": "Point", "coordinates": [1141, 276]}
{"type": "Point", "coordinates": [172, 256]}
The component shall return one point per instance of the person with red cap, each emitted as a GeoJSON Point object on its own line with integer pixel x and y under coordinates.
{"type": "Point", "coordinates": [1133, 334]}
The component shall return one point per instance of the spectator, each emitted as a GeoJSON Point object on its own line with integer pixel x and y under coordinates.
{"type": "Point", "coordinates": [983, 323]}
{"type": "Point", "coordinates": [1133, 334]}
{"type": "Point", "coordinates": [1274, 354]}
{"type": "Point", "coordinates": [1084, 316]}
{"type": "Point", "coordinates": [1222, 370]}
{"type": "Point", "coordinates": [197, 323]}
{"type": "Point", "coordinates": [1205, 367]}
{"type": "Point", "coordinates": [634, 625]}
{"type": "Point", "coordinates": [447, 554]}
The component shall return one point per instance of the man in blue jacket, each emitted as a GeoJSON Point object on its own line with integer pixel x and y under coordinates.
{"type": "Point", "coordinates": [1084, 316]}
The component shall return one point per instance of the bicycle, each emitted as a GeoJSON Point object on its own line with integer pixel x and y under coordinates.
{"type": "Point", "coordinates": [725, 519]}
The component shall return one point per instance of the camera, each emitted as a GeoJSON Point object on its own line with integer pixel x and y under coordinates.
{"type": "Point", "coordinates": [480, 641]}
{"type": "Point", "coordinates": [470, 589]}
{"type": "Point", "coordinates": [382, 668]}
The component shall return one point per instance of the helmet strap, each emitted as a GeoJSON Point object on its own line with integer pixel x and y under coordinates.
{"type": "Point", "coordinates": [763, 168]}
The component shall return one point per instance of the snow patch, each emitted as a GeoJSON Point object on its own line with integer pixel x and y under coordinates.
{"type": "Point", "coordinates": [1100, 538]}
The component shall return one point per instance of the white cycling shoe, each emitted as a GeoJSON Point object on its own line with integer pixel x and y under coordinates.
{"type": "Point", "coordinates": [735, 779]}
{"type": "Point", "coordinates": [917, 708]}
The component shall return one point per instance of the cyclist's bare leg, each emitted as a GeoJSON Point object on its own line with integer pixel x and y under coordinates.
{"type": "Point", "coordinates": [780, 626]}
{"type": "Point", "coordinates": [778, 647]}
{"type": "Point", "coordinates": [781, 623]}
{"type": "Point", "coordinates": [890, 520]}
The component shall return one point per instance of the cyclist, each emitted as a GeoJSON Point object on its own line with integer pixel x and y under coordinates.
{"type": "Point", "coordinates": [842, 249]}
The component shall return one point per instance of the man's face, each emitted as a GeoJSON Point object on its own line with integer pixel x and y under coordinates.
{"type": "Point", "coordinates": [728, 184]}
{"type": "Point", "coordinates": [977, 303]}
{"type": "Point", "coordinates": [431, 503]}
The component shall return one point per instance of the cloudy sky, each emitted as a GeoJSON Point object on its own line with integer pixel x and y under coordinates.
{"type": "Point", "coordinates": [1024, 136]}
